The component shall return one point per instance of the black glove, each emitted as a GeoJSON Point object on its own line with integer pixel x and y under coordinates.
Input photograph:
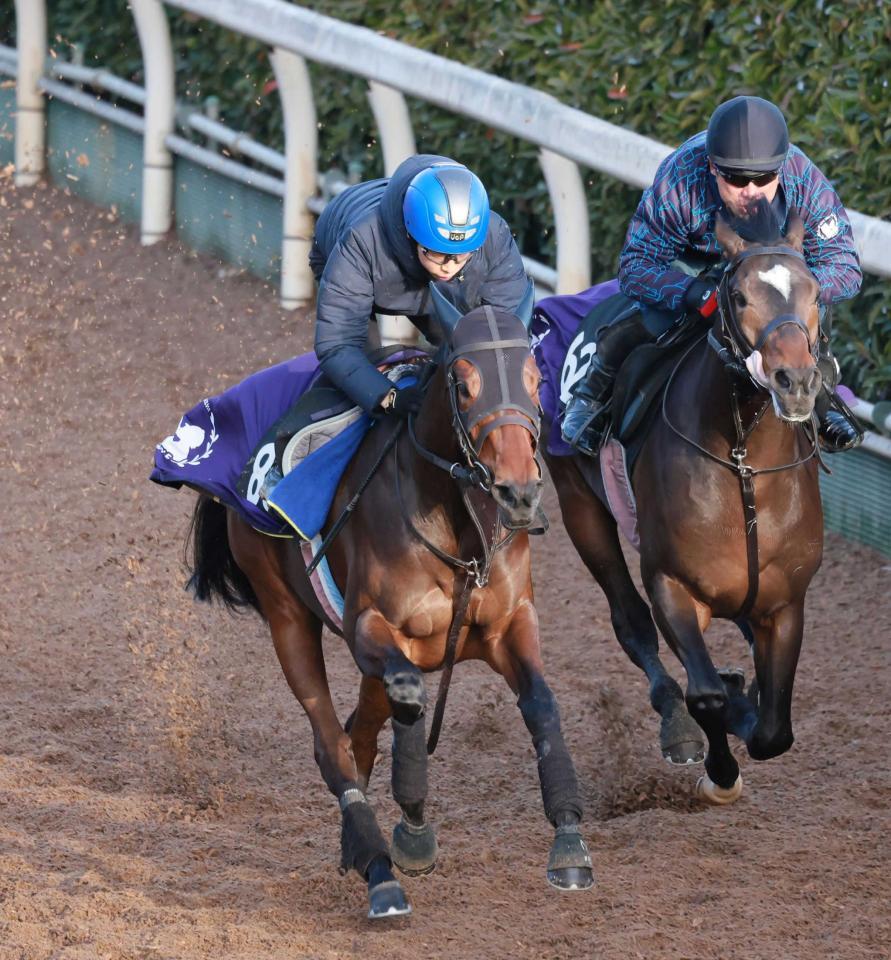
{"type": "Point", "coordinates": [405, 401]}
{"type": "Point", "coordinates": [702, 296]}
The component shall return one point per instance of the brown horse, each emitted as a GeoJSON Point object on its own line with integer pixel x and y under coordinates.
{"type": "Point", "coordinates": [729, 515]}
{"type": "Point", "coordinates": [434, 568]}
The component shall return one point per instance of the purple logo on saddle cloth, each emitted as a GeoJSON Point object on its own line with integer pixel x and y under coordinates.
{"type": "Point", "coordinates": [555, 323]}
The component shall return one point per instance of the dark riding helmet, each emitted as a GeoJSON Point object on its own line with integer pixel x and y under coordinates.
{"type": "Point", "coordinates": [747, 134]}
{"type": "Point", "coordinates": [446, 209]}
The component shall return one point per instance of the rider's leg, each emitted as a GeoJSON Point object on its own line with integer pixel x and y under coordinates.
{"type": "Point", "coordinates": [583, 421]}
{"type": "Point", "coordinates": [839, 429]}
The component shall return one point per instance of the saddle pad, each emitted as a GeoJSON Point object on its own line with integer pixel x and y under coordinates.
{"type": "Point", "coordinates": [322, 580]}
{"type": "Point", "coordinates": [554, 334]}
{"type": "Point", "coordinates": [617, 487]}
{"type": "Point", "coordinates": [303, 496]}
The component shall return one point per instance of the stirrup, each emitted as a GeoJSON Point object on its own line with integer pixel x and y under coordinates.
{"type": "Point", "coordinates": [838, 433]}
{"type": "Point", "coordinates": [839, 429]}
{"type": "Point", "coordinates": [584, 425]}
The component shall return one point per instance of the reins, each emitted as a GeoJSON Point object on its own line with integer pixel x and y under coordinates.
{"type": "Point", "coordinates": [731, 355]}
{"type": "Point", "coordinates": [476, 574]}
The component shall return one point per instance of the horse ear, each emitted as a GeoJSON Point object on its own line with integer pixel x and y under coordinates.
{"type": "Point", "coordinates": [794, 231]}
{"type": "Point", "coordinates": [444, 310]}
{"type": "Point", "coordinates": [524, 310]}
{"type": "Point", "coordinates": [730, 241]}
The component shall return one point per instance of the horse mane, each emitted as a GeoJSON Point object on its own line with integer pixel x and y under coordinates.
{"type": "Point", "coordinates": [761, 225]}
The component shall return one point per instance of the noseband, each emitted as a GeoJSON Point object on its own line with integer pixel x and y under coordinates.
{"type": "Point", "coordinates": [733, 346]}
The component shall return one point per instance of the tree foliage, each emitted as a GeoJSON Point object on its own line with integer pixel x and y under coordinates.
{"type": "Point", "coordinates": [658, 68]}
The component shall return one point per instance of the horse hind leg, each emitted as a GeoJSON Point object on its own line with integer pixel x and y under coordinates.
{"type": "Point", "coordinates": [296, 634]}
{"type": "Point", "coordinates": [593, 532]}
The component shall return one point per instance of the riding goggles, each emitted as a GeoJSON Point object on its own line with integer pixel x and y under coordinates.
{"type": "Point", "coordinates": [441, 259]}
{"type": "Point", "coordinates": [742, 178]}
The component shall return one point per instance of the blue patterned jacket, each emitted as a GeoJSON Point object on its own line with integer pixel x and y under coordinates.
{"type": "Point", "coordinates": [677, 215]}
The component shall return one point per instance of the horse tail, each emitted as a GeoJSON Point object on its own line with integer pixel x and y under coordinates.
{"type": "Point", "coordinates": [213, 567]}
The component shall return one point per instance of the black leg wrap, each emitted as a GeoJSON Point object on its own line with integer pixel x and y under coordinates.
{"type": "Point", "coordinates": [556, 773]}
{"type": "Point", "coordinates": [360, 839]}
{"type": "Point", "coordinates": [409, 777]}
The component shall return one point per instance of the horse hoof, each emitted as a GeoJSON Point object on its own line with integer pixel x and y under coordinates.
{"type": "Point", "coordinates": [710, 792]}
{"type": "Point", "coordinates": [569, 864]}
{"type": "Point", "coordinates": [571, 878]}
{"type": "Point", "coordinates": [414, 849]}
{"type": "Point", "coordinates": [387, 900]}
{"type": "Point", "coordinates": [681, 754]}
{"type": "Point", "coordinates": [681, 738]}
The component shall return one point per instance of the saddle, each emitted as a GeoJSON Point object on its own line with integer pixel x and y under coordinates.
{"type": "Point", "coordinates": [639, 385]}
{"type": "Point", "coordinates": [318, 434]}
{"type": "Point", "coordinates": [642, 375]}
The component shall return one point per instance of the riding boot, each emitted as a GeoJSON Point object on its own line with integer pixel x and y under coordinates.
{"type": "Point", "coordinates": [583, 422]}
{"type": "Point", "coordinates": [839, 430]}
{"type": "Point", "coordinates": [586, 417]}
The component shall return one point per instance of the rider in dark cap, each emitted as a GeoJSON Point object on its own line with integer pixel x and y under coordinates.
{"type": "Point", "coordinates": [377, 247]}
{"type": "Point", "coordinates": [742, 158]}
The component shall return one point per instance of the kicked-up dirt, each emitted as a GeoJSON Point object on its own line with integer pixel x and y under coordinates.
{"type": "Point", "coordinates": [158, 794]}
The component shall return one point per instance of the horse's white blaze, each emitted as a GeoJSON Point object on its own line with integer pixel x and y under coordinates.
{"type": "Point", "coordinates": [779, 278]}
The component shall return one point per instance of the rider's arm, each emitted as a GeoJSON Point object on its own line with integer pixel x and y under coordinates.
{"type": "Point", "coordinates": [828, 240]}
{"type": "Point", "coordinates": [505, 282]}
{"type": "Point", "coordinates": [658, 234]}
{"type": "Point", "coordinates": [343, 309]}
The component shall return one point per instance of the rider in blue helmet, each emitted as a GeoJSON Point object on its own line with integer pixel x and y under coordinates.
{"type": "Point", "coordinates": [376, 248]}
{"type": "Point", "coordinates": [446, 209]}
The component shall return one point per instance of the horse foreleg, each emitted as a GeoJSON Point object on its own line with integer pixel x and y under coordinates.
{"type": "Point", "coordinates": [777, 646]}
{"type": "Point", "coordinates": [518, 659]}
{"type": "Point", "coordinates": [414, 848]}
{"type": "Point", "coordinates": [706, 695]}
{"type": "Point", "coordinates": [297, 637]}
{"type": "Point", "coordinates": [594, 535]}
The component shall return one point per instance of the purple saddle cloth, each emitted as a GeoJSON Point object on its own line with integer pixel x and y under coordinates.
{"type": "Point", "coordinates": [213, 441]}
{"type": "Point", "coordinates": [555, 324]}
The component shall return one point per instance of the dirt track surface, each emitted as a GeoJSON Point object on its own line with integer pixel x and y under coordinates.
{"type": "Point", "coordinates": [158, 795]}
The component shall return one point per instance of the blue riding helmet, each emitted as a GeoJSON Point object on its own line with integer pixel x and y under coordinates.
{"type": "Point", "coordinates": [446, 209]}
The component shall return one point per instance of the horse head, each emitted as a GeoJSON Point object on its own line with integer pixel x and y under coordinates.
{"type": "Point", "coordinates": [768, 300]}
{"type": "Point", "coordinates": [493, 381]}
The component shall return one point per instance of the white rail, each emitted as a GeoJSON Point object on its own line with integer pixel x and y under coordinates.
{"type": "Point", "coordinates": [568, 137]}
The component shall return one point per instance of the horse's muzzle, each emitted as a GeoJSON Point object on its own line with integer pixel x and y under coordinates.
{"type": "Point", "coordinates": [518, 503]}
{"type": "Point", "coordinates": [794, 391]}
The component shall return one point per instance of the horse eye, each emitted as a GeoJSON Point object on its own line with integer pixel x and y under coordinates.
{"type": "Point", "coordinates": [463, 389]}
{"type": "Point", "coordinates": [739, 298]}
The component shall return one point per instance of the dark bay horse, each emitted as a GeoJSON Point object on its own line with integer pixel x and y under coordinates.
{"type": "Point", "coordinates": [434, 568]}
{"type": "Point", "coordinates": [728, 507]}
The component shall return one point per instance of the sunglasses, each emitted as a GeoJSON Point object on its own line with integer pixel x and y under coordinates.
{"type": "Point", "coordinates": [441, 259]}
{"type": "Point", "coordinates": [738, 179]}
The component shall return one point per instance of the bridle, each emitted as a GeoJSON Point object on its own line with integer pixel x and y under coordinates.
{"type": "Point", "coordinates": [729, 341]}
{"type": "Point", "coordinates": [733, 348]}
{"type": "Point", "coordinates": [503, 394]}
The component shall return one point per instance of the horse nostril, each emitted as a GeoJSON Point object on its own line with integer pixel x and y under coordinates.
{"type": "Point", "coordinates": [504, 493]}
{"type": "Point", "coordinates": [782, 380]}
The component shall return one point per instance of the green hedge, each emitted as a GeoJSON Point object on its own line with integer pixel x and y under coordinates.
{"type": "Point", "coordinates": [658, 68]}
